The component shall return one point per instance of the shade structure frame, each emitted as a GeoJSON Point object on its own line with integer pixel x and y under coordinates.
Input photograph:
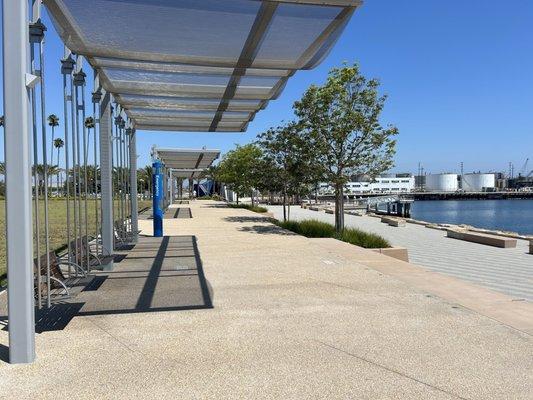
{"type": "Point", "coordinates": [73, 35]}
{"type": "Point", "coordinates": [311, 27]}
{"type": "Point", "coordinates": [187, 173]}
{"type": "Point", "coordinates": [185, 159]}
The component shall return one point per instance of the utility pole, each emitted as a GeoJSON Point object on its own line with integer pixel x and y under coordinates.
{"type": "Point", "coordinates": [419, 177]}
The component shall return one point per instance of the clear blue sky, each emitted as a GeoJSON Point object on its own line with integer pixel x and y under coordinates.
{"type": "Point", "coordinates": [459, 75]}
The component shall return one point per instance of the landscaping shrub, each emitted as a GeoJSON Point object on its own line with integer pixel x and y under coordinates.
{"type": "Point", "coordinates": [310, 228]}
{"type": "Point", "coordinates": [363, 239]}
{"type": "Point", "coordinates": [318, 229]}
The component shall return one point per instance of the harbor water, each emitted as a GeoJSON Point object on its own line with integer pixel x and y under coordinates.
{"type": "Point", "coordinates": [507, 215]}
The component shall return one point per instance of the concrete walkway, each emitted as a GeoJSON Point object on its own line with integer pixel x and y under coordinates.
{"type": "Point", "coordinates": [509, 271]}
{"type": "Point", "coordinates": [292, 318]}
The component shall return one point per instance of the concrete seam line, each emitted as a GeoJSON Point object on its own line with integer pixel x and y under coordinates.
{"type": "Point", "coordinates": [376, 364]}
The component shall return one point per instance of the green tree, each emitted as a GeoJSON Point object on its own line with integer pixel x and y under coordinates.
{"type": "Point", "coordinates": [212, 173]}
{"type": "Point", "coordinates": [239, 169]}
{"type": "Point", "coordinates": [39, 170]}
{"type": "Point", "coordinates": [288, 166]}
{"type": "Point", "coordinates": [53, 122]}
{"type": "Point", "coordinates": [343, 120]}
{"type": "Point", "coordinates": [144, 179]}
{"type": "Point", "coordinates": [58, 144]}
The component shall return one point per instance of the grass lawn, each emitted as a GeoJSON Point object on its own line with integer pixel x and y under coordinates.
{"type": "Point", "coordinates": [58, 224]}
{"type": "Point", "coordinates": [318, 229]}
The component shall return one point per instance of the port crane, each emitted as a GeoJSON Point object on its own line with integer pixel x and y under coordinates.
{"type": "Point", "coordinates": [524, 169]}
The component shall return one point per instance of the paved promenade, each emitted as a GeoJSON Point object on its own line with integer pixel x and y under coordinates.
{"type": "Point", "coordinates": [291, 318]}
{"type": "Point", "coordinates": [509, 271]}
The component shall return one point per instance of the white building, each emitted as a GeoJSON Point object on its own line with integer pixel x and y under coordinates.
{"type": "Point", "coordinates": [388, 184]}
{"type": "Point", "coordinates": [393, 184]}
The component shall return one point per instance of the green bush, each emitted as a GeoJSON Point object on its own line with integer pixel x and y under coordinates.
{"type": "Point", "coordinates": [363, 239]}
{"type": "Point", "coordinates": [256, 209]}
{"type": "Point", "coordinates": [310, 228]}
{"type": "Point", "coordinates": [318, 229]}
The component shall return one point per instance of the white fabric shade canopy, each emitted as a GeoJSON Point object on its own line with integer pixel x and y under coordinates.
{"type": "Point", "coordinates": [198, 65]}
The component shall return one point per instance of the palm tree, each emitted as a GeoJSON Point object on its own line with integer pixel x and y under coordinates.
{"type": "Point", "coordinates": [38, 170]}
{"type": "Point", "coordinates": [58, 144]}
{"type": "Point", "coordinates": [89, 122]}
{"type": "Point", "coordinates": [53, 121]}
{"type": "Point", "coordinates": [146, 174]}
{"type": "Point", "coordinates": [53, 170]}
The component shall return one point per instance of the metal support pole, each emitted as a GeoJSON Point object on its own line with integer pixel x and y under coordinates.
{"type": "Point", "coordinates": [67, 66]}
{"type": "Point", "coordinates": [96, 98]}
{"type": "Point", "coordinates": [38, 29]}
{"type": "Point", "coordinates": [18, 182]}
{"type": "Point", "coordinates": [171, 200]}
{"type": "Point", "coordinates": [79, 83]}
{"type": "Point", "coordinates": [75, 166]}
{"type": "Point", "coordinates": [106, 149]}
{"type": "Point", "coordinates": [85, 176]}
{"type": "Point", "coordinates": [125, 179]}
{"type": "Point", "coordinates": [118, 175]}
{"type": "Point", "coordinates": [157, 184]}
{"type": "Point", "coordinates": [166, 187]}
{"type": "Point", "coordinates": [36, 178]}
{"type": "Point", "coordinates": [133, 183]}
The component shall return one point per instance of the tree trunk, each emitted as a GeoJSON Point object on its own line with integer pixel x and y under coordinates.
{"type": "Point", "coordinates": [237, 197]}
{"type": "Point", "coordinates": [252, 197]}
{"type": "Point", "coordinates": [50, 178]}
{"type": "Point", "coordinates": [339, 208]}
{"type": "Point", "coordinates": [289, 210]}
{"type": "Point", "coordinates": [58, 173]}
{"type": "Point", "coordinates": [52, 148]}
{"type": "Point", "coordinates": [284, 206]}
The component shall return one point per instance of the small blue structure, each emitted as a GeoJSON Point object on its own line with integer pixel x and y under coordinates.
{"type": "Point", "coordinates": [204, 188]}
{"type": "Point", "coordinates": [157, 182]}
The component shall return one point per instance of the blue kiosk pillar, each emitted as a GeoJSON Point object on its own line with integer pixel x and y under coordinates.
{"type": "Point", "coordinates": [157, 184]}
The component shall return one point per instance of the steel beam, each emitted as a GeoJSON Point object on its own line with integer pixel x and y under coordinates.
{"type": "Point", "coordinates": [18, 147]}
{"type": "Point", "coordinates": [106, 178]}
{"type": "Point", "coordinates": [251, 47]}
{"type": "Point", "coordinates": [133, 183]}
{"type": "Point", "coordinates": [171, 200]}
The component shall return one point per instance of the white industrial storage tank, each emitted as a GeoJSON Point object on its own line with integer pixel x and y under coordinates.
{"type": "Point", "coordinates": [478, 182]}
{"type": "Point", "coordinates": [441, 183]}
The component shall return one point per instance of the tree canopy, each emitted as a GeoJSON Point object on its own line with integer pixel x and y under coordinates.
{"type": "Point", "coordinates": [337, 134]}
{"type": "Point", "coordinates": [342, 118]}
{"type": "Point", "coordinates": [288, 163]}
{"type": "Point", "coordinates": [239, 169]}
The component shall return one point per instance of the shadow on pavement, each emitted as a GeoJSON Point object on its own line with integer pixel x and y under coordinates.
{"type": "Point", "coordinates": [157, 274]}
